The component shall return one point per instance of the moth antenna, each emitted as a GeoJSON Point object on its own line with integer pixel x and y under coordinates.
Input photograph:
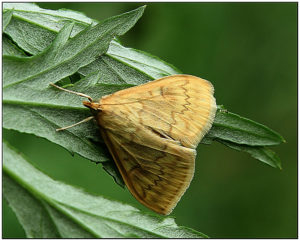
{"type": "Point", "coordinates": [78, 123]}
{"type": "Point", "coordinates": [73, 92]}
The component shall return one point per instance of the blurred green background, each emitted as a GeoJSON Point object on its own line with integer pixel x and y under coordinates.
{"type": "Point", "coordinates": [249, 52]}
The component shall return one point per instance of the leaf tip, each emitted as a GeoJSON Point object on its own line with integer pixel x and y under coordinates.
{"type": "Point", "coordinates": [140, 10]}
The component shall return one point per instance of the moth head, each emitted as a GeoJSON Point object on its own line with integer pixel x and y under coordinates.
{"type": "Point", "coordinates": [95, 107]}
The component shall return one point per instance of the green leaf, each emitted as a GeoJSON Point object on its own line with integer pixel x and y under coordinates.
{"type": "Point", "coordinates": [111, 169]}
{"type": "Point", "coordinates": [234, 128]}
{"type": "Point", "coordinates": [6, 18]}
{"type": "Point", "coordinates": [145, 63]}
{"type": "Point", "coordinates": [9, 48]}
{"type": "Point", "coordinates": [244, 135]}
{"type": "Point", "coordinates": [65, 56]}
{"type": "Point", "coordinates": [28, 209]}
{"type": "Point", "coordinates": [34, 28]}
{"type": "Point", "coordinates": [260, 153]}
{"type": "Point", "coordinates": [47, 208]}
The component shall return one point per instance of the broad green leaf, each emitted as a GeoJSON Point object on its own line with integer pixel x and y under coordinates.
{"type": "Point", "coordinates": [49, 208]}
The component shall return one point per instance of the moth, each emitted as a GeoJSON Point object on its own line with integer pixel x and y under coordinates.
{"type": "Point", "coordinates": [152, 132]}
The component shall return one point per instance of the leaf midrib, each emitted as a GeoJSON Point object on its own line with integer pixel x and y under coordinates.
{"type": "Point", "coordinates": [43, 105]}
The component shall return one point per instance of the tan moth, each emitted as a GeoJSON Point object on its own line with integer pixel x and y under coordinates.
{"type": "Point", "coordinates": [152, 131]}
